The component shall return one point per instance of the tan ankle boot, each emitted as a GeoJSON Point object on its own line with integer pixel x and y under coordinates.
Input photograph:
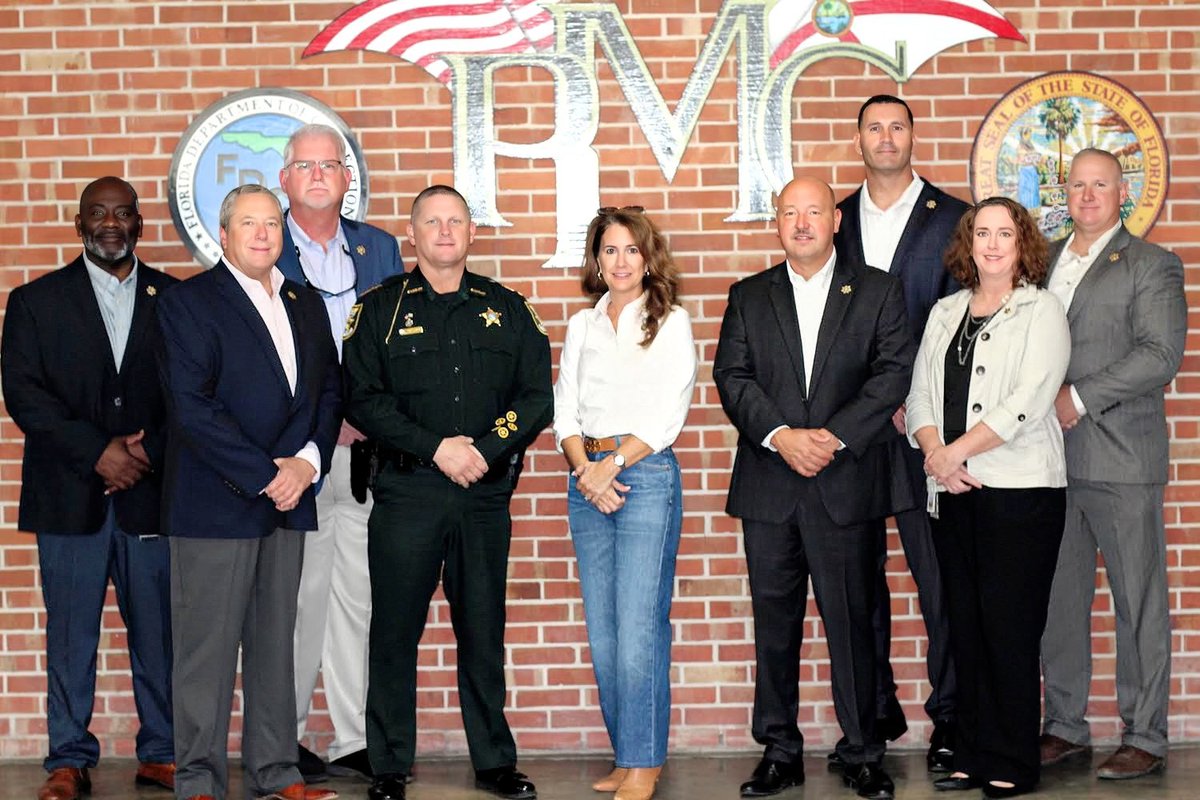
{"type": "Point", "coordinates": [612, 781]}
{"type": "Point", "coordinates": [638, 784]}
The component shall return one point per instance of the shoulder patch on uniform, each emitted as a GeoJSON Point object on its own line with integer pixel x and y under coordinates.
{"type": "Point", "coordinates": [536, 319]}
{"type": "Point", "coordinates": [352, 320]}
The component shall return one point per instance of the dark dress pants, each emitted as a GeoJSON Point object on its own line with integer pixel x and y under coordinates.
{"type": "Point", "coordinates": [998, 548]}
{"type": "Point", "coordinates": [422, 528]}
{"type": "Point", "coordinates": [75, 571]}
{"type": "Point", "coordinates": [841, 561]}
{"type": "Point", "coordinates": [921, 556]}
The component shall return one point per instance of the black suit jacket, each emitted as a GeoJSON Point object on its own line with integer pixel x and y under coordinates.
{"type": "Point", "coordinates": [231, 410]}
{"type": "Point", "coordinates": [918, 260]}
{"type": "Point", "coordinates": [861, 372]}
{"type": "Point", "coordinates": [63, 390]}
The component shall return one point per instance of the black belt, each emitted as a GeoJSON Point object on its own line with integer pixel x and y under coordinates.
{"type": "Point", "coordinates": [406, 463]}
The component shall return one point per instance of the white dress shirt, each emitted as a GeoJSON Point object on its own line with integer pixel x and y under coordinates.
{"type": "Point", "coordinates": [809, 296]}
{"type": "Point", "coordinates": [1069, 270]}
{"type": "Point", "coordinates": [609, 385]}
{"type": "Point", "coordinates": [331, 268]}
{"type": "Point", "coordinates": [882, 228]}
{"type": "Point", "coordinates": [270, 307]}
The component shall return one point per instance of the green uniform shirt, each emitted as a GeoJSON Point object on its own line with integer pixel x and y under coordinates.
{"type": "Point", "coordinates": [420, 367]}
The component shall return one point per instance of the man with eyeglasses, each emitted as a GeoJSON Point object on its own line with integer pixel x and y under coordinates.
{"type": "Point", "coordinates": [339, 259]}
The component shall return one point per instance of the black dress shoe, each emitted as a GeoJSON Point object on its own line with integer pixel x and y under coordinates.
{"type": "Point", "coordinates": [352, 765]}
{"type": "Point", "coordinates": [772, 777]}
{"type": "Point", "coordinates": [952, 784]}
{"type": "Point", "coordinates": [870, 781]}
{"type": "Point", "coordinates": [940, 757]}
{"type": "Point", "coordinates": [505, 782]}
{"type": "Point", "coordinates": [312, 768]}
{"type": "Point", "coordinates": [994, 791]}
{"type": "Point", "coordinates": [387, 787]}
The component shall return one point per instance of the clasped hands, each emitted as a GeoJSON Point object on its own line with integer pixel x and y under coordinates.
{"type": "Point", "coordinates": [460, 461]}
{"type": "Point", "coordinates": [806, 450]}
{"type": "Point", "coordinates": [597, 482]}
{"type": "Point", "coordinates": [123, 463]}
{"type": "Point", "coordinates": [944, 464]}
{"type": "Point", "coordinates": [294, 476]}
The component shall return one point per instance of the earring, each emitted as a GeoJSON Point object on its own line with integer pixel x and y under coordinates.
{"type": "Point", "coordinates": [600, 274]}
{"type": "Point", "coordinates": [647, 272]}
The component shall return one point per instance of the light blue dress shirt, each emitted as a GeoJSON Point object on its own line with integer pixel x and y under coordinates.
{"type": "Point", "coordinates": [116, 299]}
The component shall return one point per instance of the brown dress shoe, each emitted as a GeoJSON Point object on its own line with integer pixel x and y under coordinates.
{"type": "Point", "coordinates": [65, 783]}
{"type": "Point", "coordinates": [298, 791]}
{"type": "Point", "coordinates": [1129, 762]}
{"type": "Point", "coordinates": [638, 784]}
{"type": "Point", "coordinates": [612, 781]}
{"type": "Point", "coordinates": [151, 774]}
{"type": "Point", "coordinates": [1055, 749]}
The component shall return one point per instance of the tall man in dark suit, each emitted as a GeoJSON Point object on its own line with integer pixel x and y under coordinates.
{"type": "Point", "coordinates": [901, 224]}
{"type": "Point", "coordinates": [813, 358]}
{"type": "Point", "coordinates": [1128, 316]}
{"type": "Point", "coordinates": [79, 381]}
{"type": "Point", "coordinates": [339, 259]}
{"type": "Point", "coordinates": [253, 390]}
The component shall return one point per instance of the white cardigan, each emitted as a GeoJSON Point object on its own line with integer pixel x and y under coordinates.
{"type": "Point", "coordinates": [1020, 361]}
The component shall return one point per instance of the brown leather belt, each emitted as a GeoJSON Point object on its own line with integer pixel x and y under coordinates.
{"type": "Point", "coordinates": [592, 446]}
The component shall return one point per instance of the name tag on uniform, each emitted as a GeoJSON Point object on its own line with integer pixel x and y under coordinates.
{"type": "Point", "coordinates": [410, 331]}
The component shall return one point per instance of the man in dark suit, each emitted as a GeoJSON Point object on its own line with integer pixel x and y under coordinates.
{"type": "Point", "coordinates": [1127, 309]}
{"type": "Point", "coordinates": [901, 224]}
{"type": "Point", "coordinates": [253, 391]}
{"type": "Point", "coordinates": [339, 259]}
{"type": "Point", "coordinates": [79, 381]}
{"type": "Point", "coordinates": [813, 358]}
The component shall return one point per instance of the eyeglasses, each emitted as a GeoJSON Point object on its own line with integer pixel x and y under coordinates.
{"type": "Point", "coordinates": [328, 165]}
{"type": "Point", "coordinates": [615, 209]}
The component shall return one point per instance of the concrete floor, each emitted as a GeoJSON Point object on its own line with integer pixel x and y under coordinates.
{"type": "Point", "coordinates": [687, 777]}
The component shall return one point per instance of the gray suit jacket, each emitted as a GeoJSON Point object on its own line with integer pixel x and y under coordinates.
{"type": "Point", "coordinates": [1128, 322]}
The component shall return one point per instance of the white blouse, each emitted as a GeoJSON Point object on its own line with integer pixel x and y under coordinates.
{"type": "Point", "coordinates": [608, 384]}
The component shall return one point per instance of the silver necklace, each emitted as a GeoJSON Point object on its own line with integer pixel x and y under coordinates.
{"type": "Point", "coordinates": [966, 341]}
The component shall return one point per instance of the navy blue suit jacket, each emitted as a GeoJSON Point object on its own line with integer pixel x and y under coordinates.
{"type": "Point", "coordinates": [230, 409]}
{"type": "Point", "coordinates": [374, 251]}
{"type": "Point", "coordinates": [62, 388]}
{"type": "Point", "coordinates": [918, 259]}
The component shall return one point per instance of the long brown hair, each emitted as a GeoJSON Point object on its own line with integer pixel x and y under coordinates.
{"type": "Point", "coordinates": [1032, 249]}
{"type": "Point", "coordinates": [661, 283]}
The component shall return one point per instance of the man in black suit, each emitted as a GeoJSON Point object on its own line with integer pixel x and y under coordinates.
{"type": "Point", "coordinates": [901, 224]}
{"type": "Point", "coordinates": [79, 381]}
{"type": "Point", "coordinates": [254, 398]}
{"type": "Point", "coordinates": [813, 358]}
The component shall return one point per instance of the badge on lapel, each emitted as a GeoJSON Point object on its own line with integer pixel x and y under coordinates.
{"type": "Point", "coordinates": [151, 291]}
{"type": "Point", "coordinates": [847, 288]}
{"type": "Point", "coordinates": [490, 317]}
{"type": "Point", "coordinates": [291, 295]}
{"type": "Point", "coordinates": [1114, 257]}
{"type": "Point", "coordinates": [931, 204]}
{"type": "Point", "coordinates": [361, 249]}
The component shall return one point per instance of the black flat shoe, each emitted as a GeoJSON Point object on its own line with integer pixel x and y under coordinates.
{"type": "Point", "coordinates": [994, 791]}
{"type": "Point", "coordinates": [952, 784]}
{"type": "Point", "coordinates": [505, 782]}
{"type": "Point", "coordinates": [772, 777]}
{"type": "Point", "coordinates": [312, 768]}
{"type": "Point", "coordinates": [869, 781]}
{"type": "Point", "coordinates": [387, 787]}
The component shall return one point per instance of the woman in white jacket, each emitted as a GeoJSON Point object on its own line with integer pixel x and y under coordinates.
{"type": "Point", "coordinates": [981, 409]}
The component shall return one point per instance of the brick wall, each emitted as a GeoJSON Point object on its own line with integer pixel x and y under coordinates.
{"type": "Point", "coordinates": [98, 87]}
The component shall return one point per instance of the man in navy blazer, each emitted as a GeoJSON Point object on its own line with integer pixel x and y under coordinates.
{"type": "Point", "coordinates": [814, 356]}
{"type": "Point", "coordinates": [254, 401]}
{"type": "Point", "coordinates": [901, 224]}
{"type": "Point", "coordinates": [79, 381]}
{"type": "Point", "coordinates": [339, 259]}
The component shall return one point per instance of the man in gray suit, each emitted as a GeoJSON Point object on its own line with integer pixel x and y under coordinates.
{"type": "Point", "coordinates": [1128, 315]}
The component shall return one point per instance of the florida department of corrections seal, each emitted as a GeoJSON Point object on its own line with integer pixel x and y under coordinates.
{"type": "Point", "coordinates": [239, 139]}
{"type": "Point", "coordinates": [1024, 147]}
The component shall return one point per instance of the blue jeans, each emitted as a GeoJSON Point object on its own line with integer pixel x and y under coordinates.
{"type": "Point", "coordinates": [627, 572]}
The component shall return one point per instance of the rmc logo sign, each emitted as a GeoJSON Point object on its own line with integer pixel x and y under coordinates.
{"type": "Point", "coordinates": [462, 43]}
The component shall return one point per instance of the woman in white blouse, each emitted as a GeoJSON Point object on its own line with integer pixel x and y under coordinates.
{"type": "Point", "coordinates": [981, 409]}
{"type": "Point", "coordinates": [624, 386]}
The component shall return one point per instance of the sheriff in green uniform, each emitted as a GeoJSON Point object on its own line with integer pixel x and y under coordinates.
{"type": "Point", "coordinates": [450, 373]}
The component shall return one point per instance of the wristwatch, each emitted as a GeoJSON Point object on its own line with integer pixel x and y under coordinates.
{"type": "Point", "coordinates": [619, 460]}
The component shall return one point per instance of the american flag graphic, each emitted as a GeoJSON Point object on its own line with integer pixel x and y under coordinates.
{"type": "Point", "coordinates": [927, 27]}
{"type": "Point", "coordinates": [422, 31]}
